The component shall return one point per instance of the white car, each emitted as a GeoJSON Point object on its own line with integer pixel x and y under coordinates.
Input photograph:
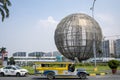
{"type": "Point", "coordinates": [13, 70]}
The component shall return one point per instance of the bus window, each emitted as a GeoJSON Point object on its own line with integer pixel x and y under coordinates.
{"type": "Point", "coordinates": [53, 65]}
{"type": "Point", "coordinates": [62, 65]}
{"type": "Point", "coordinates": [42, 65]}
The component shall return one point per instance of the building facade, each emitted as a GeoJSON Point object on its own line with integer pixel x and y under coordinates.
{"type": "Point", "coordinates": [22, 58]}
{"type": "Point", "coordinates": [108, 48]}
{"type": "Point", "coordinates": [19, 54]}
{"type": "Point", "coordinates": [117, 48]}
{"type": "Point", "coordinates": [36, 54]}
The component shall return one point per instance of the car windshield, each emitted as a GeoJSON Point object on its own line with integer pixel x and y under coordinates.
{"type": "Point", "coordinates": [18, 67]}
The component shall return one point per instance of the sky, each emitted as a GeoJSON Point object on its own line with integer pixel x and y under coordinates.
{"type": "Point", "coordinates": [32, 23]}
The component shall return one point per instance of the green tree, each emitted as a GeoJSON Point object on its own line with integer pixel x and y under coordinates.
{"type": "Point", "coordinates": [4, 8]}
{"type": "Point", "coordinates": [113, 64]}
{"type": "Point", "coordinates": [11, 61]}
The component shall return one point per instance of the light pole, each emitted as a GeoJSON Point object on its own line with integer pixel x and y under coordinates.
{"type": "Point", "coordinates": [92, 8]}
{"type": "Point", "coordinates": [94, 45]}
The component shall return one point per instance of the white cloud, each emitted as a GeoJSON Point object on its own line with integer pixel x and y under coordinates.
{"type": "Point", "coordinates": [47, 23]}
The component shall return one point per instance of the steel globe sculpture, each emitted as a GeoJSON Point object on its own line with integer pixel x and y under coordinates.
{"type": "Point", "coordinates": [74, 36]}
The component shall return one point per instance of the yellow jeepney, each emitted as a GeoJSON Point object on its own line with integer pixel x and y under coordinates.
{"type": "Point", "coordinates": [53, 69]}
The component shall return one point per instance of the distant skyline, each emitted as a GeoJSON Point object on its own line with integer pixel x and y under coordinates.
{"type": "Point", "coordinates": [32, 23]}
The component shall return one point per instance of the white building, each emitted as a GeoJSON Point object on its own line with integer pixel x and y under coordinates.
{"type": "Point", "coordinates": [22, 58]}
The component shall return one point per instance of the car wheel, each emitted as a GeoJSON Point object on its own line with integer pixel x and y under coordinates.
{"type": "Point", "coordinates": [82, 75]}
{"type": "Point", "coordinates": [50, 75]}
{"type": "Point", "coordinates": [18, 74]}
{"type": "Point", "coordinates": [1, 74]}
{"type": "Point", "coordinates": [25, 75]}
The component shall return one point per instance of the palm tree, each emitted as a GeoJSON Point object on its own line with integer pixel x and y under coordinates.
{"type": "Point", "coordinates": [4, 8]}
{"type": "Point", "coordinates": [3, 50]}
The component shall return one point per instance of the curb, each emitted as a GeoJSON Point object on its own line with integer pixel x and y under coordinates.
{"type": "Point", "coordinates": [94, 74]}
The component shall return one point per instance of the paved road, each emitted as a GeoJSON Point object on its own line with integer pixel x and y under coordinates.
{"type": "Point", "coordinates": [107, 77]}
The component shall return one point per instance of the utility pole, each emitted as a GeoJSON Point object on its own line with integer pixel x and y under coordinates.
{"type": "Point", "coordinates": [94, 44]}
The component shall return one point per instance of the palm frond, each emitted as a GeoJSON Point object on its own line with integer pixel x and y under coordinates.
{"type": "Point", "coordinates": [8, 2]}
{"type": "Point", "coordinates": [4, 8]}
{"type": "Point", "coordinates": [2, 13]}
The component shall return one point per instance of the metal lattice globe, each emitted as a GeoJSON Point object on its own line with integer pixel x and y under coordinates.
{"type": "Point", "coordinates": [75, 34]}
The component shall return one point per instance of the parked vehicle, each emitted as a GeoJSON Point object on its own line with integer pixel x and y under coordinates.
{"type": "Point", "coordinates": [59, 69]}
{"type": "Point", "coordinates": [13, 70]}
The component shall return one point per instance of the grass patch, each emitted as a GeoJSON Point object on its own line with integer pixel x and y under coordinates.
{"type": "Point", "coordinates": [90, 69]}
{"type": "Point", "coordinates": [30, 69]}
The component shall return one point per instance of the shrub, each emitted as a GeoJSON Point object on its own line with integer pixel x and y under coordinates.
{"type": "Point", "coordinates": [113, 64]}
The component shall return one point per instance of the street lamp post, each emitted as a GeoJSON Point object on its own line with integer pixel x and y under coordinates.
{"type": "Point", "coordinates": [94, 45]}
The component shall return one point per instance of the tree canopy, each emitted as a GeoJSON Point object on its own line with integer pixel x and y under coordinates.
{"type": "Point", "coordinates": [4, 8]}
{"type": "Point", "coordinates": [11, 61]}
{"type": "Point", "coordinates": [3, 50]}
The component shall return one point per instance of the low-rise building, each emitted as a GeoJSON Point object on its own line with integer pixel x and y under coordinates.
{"type": "Point", "coordinates": [22, 58]}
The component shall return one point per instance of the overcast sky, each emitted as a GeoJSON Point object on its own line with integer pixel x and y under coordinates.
{"type": "Point", "coordinates": [32, 23]}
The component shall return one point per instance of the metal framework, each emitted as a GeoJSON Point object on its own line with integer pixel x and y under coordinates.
{"type": "Point", "coordinates": [74, 36]}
